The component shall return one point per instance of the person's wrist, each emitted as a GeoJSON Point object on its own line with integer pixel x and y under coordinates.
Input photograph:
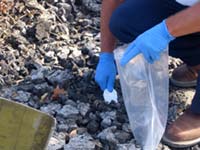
{"type": "Point", "coordinates": [106, 55]}
{"type": "Point", "coordinates": [167, 33]}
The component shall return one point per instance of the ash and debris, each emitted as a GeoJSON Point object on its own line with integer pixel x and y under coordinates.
{"type": "Point", "coordinates": [48, 55]}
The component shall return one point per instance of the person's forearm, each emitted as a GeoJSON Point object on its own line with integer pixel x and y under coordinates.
{"type": "Point", "coordinates": [185, 22]}
{"type": "Point", "coordinates": [107, 39]}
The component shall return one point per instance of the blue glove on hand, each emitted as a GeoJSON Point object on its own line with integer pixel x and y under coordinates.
{"type": "Point", "coordinates": [151, 43]}
{"type": "Point", "coordinates": [106, 71]}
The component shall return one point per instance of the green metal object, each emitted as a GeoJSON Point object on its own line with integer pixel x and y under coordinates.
{"type": "Point", "coordinates": [23, 128]}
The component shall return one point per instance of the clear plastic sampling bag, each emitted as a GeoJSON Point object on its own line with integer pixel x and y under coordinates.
{"type": "Point", "coordinates": [145, 89]}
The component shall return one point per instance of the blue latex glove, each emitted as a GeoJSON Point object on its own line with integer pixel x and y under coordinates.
{"type": "Point", "coordinates": [106, 71]}
{"type": "Point", "coordinates": [151, 43]}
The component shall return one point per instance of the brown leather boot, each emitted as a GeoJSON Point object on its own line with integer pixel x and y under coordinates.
{"type": "Point", "coordinates": [184, 132]}
{"type": "Point", "coordinates": [185, 76]}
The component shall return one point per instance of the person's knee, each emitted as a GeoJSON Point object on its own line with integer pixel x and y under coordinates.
{"type": "Point", "coordinates": [115, 23]}
{"type": "Point", "coordinates": [117, 26]}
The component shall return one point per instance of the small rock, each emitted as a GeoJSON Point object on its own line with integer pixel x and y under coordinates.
{"type": "Point", "coordinates": [128, 146]}
{"type": "Point", "coordinates": [66, 7]}
{"type": "Point", "coordinates": [59, 77]}
{"type": "Point", "coordinates": [34, 4]}
{"type": "Point", "coordinates": [71, 123]}
{"type": "Point", "coordinates": [126, 127]}
{"type": "Point", "coordinates": [51, 108]}
{"type": "Point", "coordinates": [81, 130]}
{"type": "Point", "coordinates": [108, 135]}
{"type": "Point", "coordinates": [37, 76]}
{"type": "Point", "coordinates": [40, 89]}
{"type": "Point", "coordinates": [85, 51]}
{"type": "Point", "coordinates": [63, 127]}
{"type": "Point", "coordinates": [43, 30]}
{"type": "Point", "coordinates": [107, 117]}
{"type": "Point", "coordinates": [75, 52]}
{"type": "Point", "coordinates": [83, 142]}
{"type": "Point", "coordinates": [22, 96]}
{"type": "Point", "coordinates": [68, 111]}
{"type": "Point", "coordinates": [34, 104]}
{"type": "Point", "coordinates": [172, 113]}
{"type": "Point", "coordinates": [93, 61]}
{"type": "Point", "coordinates": [108, 114]}
{"type": "Point", "coordinates": [164, 147]}
{"type": "Point", "coordinates": [93, 126]}
{"type": "Point", "coordinates": [122, 136]}
{"type": "Point", "coordinates": [83, 108]}
{"type": "Point", "coordinates": [63, 54]}
{"type": "Point", "coordinates": [122, 118]}
{"type": "Point", "coordinates": [49, 57]}
{"type": "Point", "coordinates": [106, 122]}
{"type": "Point", "coordinates": [92, 5]}
{"type": "Point", "coordinates": [62, 29]}
{"type": "Point", "coordinates": [56, 143]}
{"type": "Point", "coordinates": [70, 102]}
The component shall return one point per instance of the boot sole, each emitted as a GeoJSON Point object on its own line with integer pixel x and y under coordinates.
{"type": "Point", "coordinates": [181, 144]}
{"type": "Point", "coordinates": [183, 84]}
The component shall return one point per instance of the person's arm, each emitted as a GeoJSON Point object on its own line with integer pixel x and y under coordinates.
{"type": "Point", "coordinates": [155, 40]}
{"type": "Point", "coordinates": [106, 68]}
{"type": "Point", "coordinates": [185, 22]}
{"type": "Point", "coordinates": [107, 39]}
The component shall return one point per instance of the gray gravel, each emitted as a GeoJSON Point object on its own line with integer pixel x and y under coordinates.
{"type": "Point", "coordinates": [56, 43]}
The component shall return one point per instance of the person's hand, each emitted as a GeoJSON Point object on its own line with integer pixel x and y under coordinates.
{"type": "Point", "coordinates": [150, 43]}
{"type": "Point", "coordinates": [106, 71]}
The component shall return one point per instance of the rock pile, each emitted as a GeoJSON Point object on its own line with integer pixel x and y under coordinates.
{"type": "Point", "coordinates": [49, 51]}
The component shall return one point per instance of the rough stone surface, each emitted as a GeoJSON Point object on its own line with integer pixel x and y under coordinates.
{"type": "Point", "coordinates": [50, 49]}
{"type": "Point", "coordinates": [84, 142]}
{"type": "Point", "coordinates": [83, 108]}
{"type": "Point", "coordinates": [127, 146]}
{"type": "Point", "coordinates": [108, 135]}
{"type": "Point", "coordinates": [107, 117]}
{"type": "Point", "coordinates": [51, 108]}
{"type": "Point", "coordinates": [68, 111]}
{"type": "Point", "coordinates": [22, 96]}
{"type": "Point", "coordinates": [55, 144]}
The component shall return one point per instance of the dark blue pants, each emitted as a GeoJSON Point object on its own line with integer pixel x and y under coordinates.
{"type": "Point", "coordinates": [133, 17]}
